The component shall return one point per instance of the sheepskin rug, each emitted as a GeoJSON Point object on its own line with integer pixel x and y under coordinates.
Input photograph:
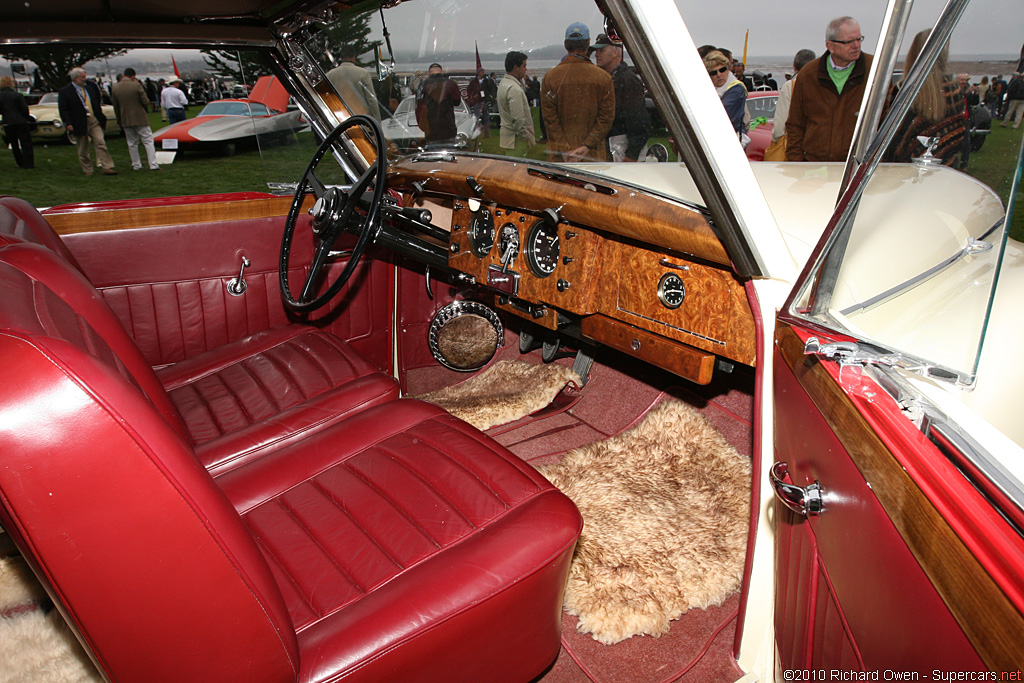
{"type": "Point", "coordinates": [666, 508]}
{"type": "Point", "coordinates": [36, 645]}
{"type": "Point", "coordinates": [504, 392]}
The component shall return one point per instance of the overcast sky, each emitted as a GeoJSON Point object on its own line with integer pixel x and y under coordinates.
{"type": "Point", "coordinates": [777, 27]}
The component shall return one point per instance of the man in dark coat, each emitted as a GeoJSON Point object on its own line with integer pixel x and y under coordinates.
{"type": "Point", "coordinates": [627, 139]}
{"type": "Point", "coordinates": [85, 122]}
{"type": "Point", "coordinates": [17, 123]}
{"type": "Point", "coordinates": [475, 101]}
{"type": "Point", "coordinates": [827, 96]}
{"type": "Point", "coordinates": [435, 107]}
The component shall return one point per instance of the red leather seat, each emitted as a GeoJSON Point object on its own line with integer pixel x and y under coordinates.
{"type": "Point", "coordinates": [20, 222]}
{"type": "Point", "coordinates": [396, 544]}
{"type": "Point", "coordinates": [267, 389]}
{"type": "Point", "coordinates": [234, 402]}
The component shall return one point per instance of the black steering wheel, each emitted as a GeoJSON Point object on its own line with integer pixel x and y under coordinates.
{"type": "Point", "coordinates": [334, 212]}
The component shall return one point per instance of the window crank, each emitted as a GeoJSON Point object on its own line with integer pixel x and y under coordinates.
{"type": "Point", "coordinates": [237, 286]}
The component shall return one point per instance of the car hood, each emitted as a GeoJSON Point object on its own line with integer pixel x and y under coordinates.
{"type": "Point", "coordinates": [208, 129]}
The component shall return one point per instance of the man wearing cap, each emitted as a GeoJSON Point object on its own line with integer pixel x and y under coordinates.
{"type": "Point", "coordinates": [174, 102]}
{"type": "Point", "coordinates": [577, 103]}
{"type": "Point", "coordinates": [627, 139]}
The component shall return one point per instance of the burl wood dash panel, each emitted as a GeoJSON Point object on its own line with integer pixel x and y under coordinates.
{"type": "Point", "coordinates": [715, 315]}
{"type": "Point", "coordinates": [576, 267]}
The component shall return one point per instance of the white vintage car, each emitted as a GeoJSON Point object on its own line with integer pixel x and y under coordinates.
{"type": "Point", "coordinates": [401, 127]}
{"type": "Point", "coordinates": [49, 124]}
{"type": "Point", "coordinates": [450, 416]}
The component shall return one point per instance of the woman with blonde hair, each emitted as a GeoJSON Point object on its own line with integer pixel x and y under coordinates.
{"type": "Point", "coordinates": [731, 91]}
{"type": "Point", "coordinates": [17, 123]}
{"type": "Point", "coordinates": [937, 112]}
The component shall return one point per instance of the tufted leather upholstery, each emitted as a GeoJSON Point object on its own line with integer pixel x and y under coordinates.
{"type": "Point", "coordinates": [395, 544]}
{"type": "Point", "coordinates": [235, 401]}
{"type": "Point", "coordinates": [20, 222]}
{"type": "Point", "coordinates": [269, 388]}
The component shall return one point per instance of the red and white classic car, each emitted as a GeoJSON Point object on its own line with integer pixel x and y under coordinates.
{"type": "Point", "coordinates": [223, 124]}
{"type": "Point", "coordinates": [214, 460]}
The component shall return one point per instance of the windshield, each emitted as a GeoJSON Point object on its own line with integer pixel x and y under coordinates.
{"type": "Point", "coordinates": [913, 261]}
{"type": "Point", "coordinates": [228, 109]}
{"type": "Point", "coordinates": [917, 246]}
{"type": "Point", "coordinates": [462, 69]}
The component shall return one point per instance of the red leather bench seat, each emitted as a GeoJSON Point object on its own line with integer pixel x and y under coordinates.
{"type": "Point", "coordinates": [395, 544]}
{"type": "Point", "coordinates": [271, 387]}
{"type": "Point", "coordinates": [403, 538]}
{"type": "Point", "coordinates": [234, 402]}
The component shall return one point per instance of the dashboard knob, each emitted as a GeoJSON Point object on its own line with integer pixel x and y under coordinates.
{"type": "Point", "coordinates": [563, 285]}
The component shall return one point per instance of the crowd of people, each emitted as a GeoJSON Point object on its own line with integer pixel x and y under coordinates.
{"type": "Point", "coordinates": [80, 103]}
{"type": "Point", "coordinates": [592, 104]}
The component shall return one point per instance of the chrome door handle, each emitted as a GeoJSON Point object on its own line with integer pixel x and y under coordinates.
{"type": "Point", "coordinates": [803, 500]}
{"type": "Point", "coordinates": [237, 286]}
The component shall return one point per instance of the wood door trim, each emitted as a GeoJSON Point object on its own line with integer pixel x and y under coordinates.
{"type": "Point", "coordinates": [102, 219]}
{"type": "Point", "coordinates": [991, 622]}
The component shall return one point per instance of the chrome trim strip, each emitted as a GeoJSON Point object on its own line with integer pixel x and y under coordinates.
{"type": "Point", "coordinates": [974, 246]}
{"type": "Point", "coordinates": [673, 327]}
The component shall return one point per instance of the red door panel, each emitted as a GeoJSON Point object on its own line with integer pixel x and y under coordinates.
{"type": "Point", "coordinates": [852, 596]}
{"type": "Point", "coordinates": [167, 284]}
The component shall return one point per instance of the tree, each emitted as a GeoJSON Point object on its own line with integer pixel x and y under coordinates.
{"type": "Point", "coordinates": [55, 61]}
{"type": "Point", "coordinates": [241, 66]}
{"type": "Point", "coordinates": [346, 38]}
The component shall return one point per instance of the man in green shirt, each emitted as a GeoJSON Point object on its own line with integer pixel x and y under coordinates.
{"type": "Point", "coordinates": [827, 96]}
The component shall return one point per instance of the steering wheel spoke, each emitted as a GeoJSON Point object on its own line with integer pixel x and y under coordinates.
{"type": "Point", "coordinates": [315, 185]}
{"type": "Point", "coordinates": [334, 212]}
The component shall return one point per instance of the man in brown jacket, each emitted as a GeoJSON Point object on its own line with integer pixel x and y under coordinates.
{"type": "Point", "coordinates": [827, 96]}
{"type": "Point", "coordinates": [131, 106]}
{"type": "Point", "coordinates": [577, 103]}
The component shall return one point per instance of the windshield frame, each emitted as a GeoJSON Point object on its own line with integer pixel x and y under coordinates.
{"type": "Point", "coordinates": [821, 272]}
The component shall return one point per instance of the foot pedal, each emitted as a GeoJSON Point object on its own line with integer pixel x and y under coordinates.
{"type": "Point", "coordinates": [583, 363]}
{"type": "Point", "coordinates": [527, 342]}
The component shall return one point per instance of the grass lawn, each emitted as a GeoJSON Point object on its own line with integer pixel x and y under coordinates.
{"type": "Point", "coordinates": [994, 165]}
{"type": "Point", "coordinates": [58, 178]}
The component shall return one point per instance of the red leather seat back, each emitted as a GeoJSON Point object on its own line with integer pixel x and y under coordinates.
{"type": "Point", "coordinates": [140, 549]}
{"type": "Point", "coordinates": [48, 268]}
{"type": "Point", "coordinates": [21, 220]}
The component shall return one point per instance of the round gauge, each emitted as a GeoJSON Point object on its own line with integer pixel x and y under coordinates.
{"type": "Point", "coordinates": [671, 290]}
{"type": "Point", "coordinates": [542, 248]}
{"type": "Point", "coordinates": [481, 233]}
{"type": "Point", "coordinates": [508, 243]}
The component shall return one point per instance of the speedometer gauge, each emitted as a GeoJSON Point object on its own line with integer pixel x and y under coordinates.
{"type": "Point", "coordinates": [542, 248]}
{"type": "Point", "coordinates": [481, 233]}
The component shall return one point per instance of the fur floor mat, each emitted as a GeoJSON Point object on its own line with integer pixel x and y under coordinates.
{"type": "Point", "coordinates": [504, 392]}
{"type": "Point", "coordinates": [35, 644]}
{"type": "Point", "coordinates": [666, 509]}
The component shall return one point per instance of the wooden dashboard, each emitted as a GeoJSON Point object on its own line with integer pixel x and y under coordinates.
{"type": "Point", "coordinates": [631, 270]}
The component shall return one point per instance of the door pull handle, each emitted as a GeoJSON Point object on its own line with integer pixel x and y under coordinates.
{"type": "Point", "coordinates": [803, 500]}
{"type": "Point", "coordinates": [237, 286]}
